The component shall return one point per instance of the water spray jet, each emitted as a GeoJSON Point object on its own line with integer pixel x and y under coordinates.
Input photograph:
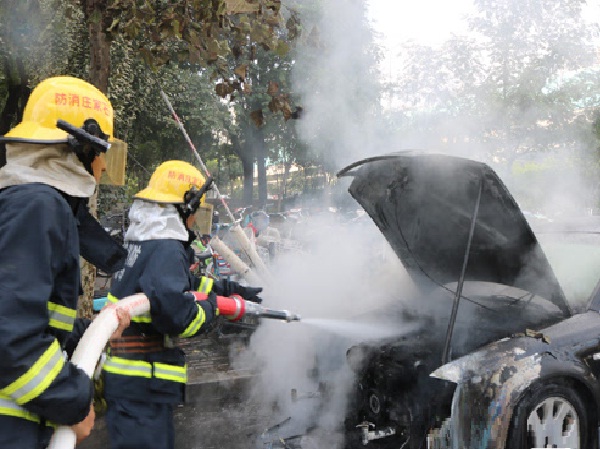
{"type": "Point", "coordinates": [364, 329]}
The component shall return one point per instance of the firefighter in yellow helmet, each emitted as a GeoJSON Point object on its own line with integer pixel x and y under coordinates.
{"type": "Point", "coordinates": [54, 159]}
{"type": "Point", "coordinates": [144, 374]}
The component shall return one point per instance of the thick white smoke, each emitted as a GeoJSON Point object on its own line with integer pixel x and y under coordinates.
{"type": "Point", "coordinates": [349, 281]}
{"type": "Point", "coordinates": [348, 289]}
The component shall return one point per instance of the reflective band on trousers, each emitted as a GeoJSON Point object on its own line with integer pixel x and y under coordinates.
{"type": "Point", "coordinates": [139, 368]}
{"type": "Point", "coordinates": [61, 317]}
{"type": "Point", "coordinates": [37, 378]}
{"type": "Point", "coordinates": [144, 318]}
{"type": "Point", "coordinates": [9, 407]}
{"type": "Point", "coordinates": [206, 285]}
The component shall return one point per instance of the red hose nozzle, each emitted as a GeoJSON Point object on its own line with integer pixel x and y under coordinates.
{"type": "Point", "coordinates": [234, 307]}
{"type": "Point", "coordinates": [231, 307]}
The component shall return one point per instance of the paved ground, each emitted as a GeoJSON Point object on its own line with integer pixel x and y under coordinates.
{"type": "Point", "coordinates": [217, 413]}
{"type": "Point", "coordinates": [231, 425]}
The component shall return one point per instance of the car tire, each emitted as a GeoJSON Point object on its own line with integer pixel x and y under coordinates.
{"type": "Point", "coordinates": [543, 408]}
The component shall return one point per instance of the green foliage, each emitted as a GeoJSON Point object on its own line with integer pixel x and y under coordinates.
{"type": "Point", "coordinates": [155, 135]}
{"type": "Point", "coordinates": [514, 89]}
{"type": "Point", "coordinates": [187, 44]}
{"type": "Point", "coordinates": [530, 45]}
{"type": "Point", "coordinates": [38, 39]}
{"type": "Point", "coordinates": [521, 91]}
{"type": "Point", "coordinates": [185, 49]}
{"type": "Point", "coordinates": [200, 32]}
{"type": "Point", "coordinates": [596, 126]}
{"type": "Point", "coordinates": [337, 76]}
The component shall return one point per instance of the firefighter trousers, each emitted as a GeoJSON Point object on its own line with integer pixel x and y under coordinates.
{"type": "Point", "coordinates": [136, 425]}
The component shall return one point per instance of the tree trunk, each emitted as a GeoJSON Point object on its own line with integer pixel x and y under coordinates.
{"type": "Point", "coordinates": [286, 174]}
{"type": "Point", "coordinates": [218, 180]}
{"type": "Point", "coordinates": [248, 167]}
{"type": "Point", "coordinates": [85, 307]}
{"type": "Point", "coordinates": [261, 170]}
{"type": "Point", "coordinates": [18, 93]}
{"type": "Point", "coordinates": [229, 178]}
{"type": "Point", "coordinates": [245, 151]}
{"type": "Point", "coordinates": [305, 184]}
{"type": "Point", "coordinates": [95, 17]}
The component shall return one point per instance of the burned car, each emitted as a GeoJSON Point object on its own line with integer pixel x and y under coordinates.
{"type": "Point", "coordinates": [536, 389]}
{"type": "Point", "coordinates": [468, 247]}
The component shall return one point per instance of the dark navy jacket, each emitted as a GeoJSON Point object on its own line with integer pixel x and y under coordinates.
{"type": "Point", "coordinates": [161, 270]}
{"type": "Point", "coordinates": [39, 289]}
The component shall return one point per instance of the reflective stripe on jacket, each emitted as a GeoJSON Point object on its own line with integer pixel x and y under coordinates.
{"type": "Point", "coordinates": [146, 318]}
{"type": "Point", "coordinates": [9, 407]}
{"type": "Point", "coordinates": [61, 317]}
{"type": "Point", "coordinates": [206, 284]}
{"type": "Point", "coordinates": [39, 268]}
{"type": "Point", "coordinates": [160, 269]}
{"type": "Point", "coordinates": [37, 378]}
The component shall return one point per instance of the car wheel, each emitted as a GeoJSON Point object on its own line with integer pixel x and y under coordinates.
{"type": "Point", "coordinates": [550, 415]}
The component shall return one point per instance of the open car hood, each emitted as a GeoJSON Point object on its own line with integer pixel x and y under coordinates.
{"type": "Point", "coordinates": [424, 203]}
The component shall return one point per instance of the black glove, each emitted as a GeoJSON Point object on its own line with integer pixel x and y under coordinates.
{"type": "Point", "coordinates": [228, 288]}
{"type": "Point", "coordinates": [249, 293]}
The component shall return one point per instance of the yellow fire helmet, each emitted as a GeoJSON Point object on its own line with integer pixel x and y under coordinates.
{"type": "Point", "coordinates": [170, 182]}
{"type": "Point", "coordinates": [63, 97]}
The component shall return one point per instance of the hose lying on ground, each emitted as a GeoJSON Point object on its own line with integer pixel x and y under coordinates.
{"type": "Point", "coordinates": [90, 349]}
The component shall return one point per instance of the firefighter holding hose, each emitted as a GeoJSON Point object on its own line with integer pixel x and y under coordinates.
{"type": "Point", "coordinates": [54, 159]}
{"type": "Point", "coordinates": [144, 373]}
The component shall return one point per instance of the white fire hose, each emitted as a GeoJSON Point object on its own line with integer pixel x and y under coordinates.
{"type": "Point", "coordinates": [90, 349]}
{"type": "Point", "coordinates": [236, 263]}
{"type": "Point", "coordinates": [250, 250]}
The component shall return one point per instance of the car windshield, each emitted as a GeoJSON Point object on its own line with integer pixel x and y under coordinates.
{"type": "Point", "coordinates": [575, 259]}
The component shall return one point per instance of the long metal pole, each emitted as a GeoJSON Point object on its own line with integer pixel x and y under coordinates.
{"type": "Point", "coordinates": [251, 253]}
{"type": "Point", "coordinates": [196, 154]}
{"type": "Point", "coordinates": [461, 280]}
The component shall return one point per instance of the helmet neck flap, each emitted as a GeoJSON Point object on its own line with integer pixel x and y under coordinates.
{"type": "Point", "coordinates": [152, 221]}
{"type": "Point", "coordinates": [54, 165]}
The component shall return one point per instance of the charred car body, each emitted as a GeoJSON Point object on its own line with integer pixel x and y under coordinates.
{"type": "Point", "coordinates": [481, 278]}
{"type": "Point", "coordinates": [469, 249]}
{"type": "Point", "coordinates": [538, 389]}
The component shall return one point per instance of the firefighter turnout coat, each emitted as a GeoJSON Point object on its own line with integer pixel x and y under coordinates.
{"type": "Point", "coordinates": [142, 365]}
{"type": "Point", "coordinates": [39, 289]}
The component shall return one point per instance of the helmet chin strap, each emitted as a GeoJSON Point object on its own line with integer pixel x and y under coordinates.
{"type": "Point", "coordinates": [192, 199]}
{"type": "Point", "coordinates": [86, 142]}
{"type": "Point", "coordinates": [191, 203]}
{"type": "Point", "coordinates": [185, 214]}
{"type": "Point", "coordinates": [86, 156]}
